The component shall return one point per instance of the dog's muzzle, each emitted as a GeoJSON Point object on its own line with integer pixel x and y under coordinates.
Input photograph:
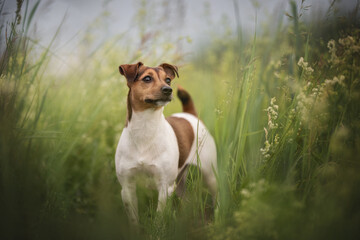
{"type": "Point", "coordinates": [159, 102]}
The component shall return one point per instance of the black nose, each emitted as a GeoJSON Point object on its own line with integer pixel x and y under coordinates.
{"type": "Point", "coordinates": [166, 90]}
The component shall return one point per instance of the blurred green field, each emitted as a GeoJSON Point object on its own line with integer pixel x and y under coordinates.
{"type": "Point", "coordinates": [282, 105]}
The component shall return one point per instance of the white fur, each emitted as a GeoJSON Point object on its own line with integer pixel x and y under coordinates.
{"type": "Point", "coordinates": [205, 145]}
{"type": "Point", "coordinates": [148, 146]}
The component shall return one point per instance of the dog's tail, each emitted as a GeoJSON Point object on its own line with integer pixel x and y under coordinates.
{"type": "Point", "coordinates": [186, 100]}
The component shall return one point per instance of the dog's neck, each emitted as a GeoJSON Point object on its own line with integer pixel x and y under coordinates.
{"type": "Point", "coordinates": [144, 125]}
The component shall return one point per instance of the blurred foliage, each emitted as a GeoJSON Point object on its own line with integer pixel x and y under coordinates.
{"type": "Point", "coordinates": [282, 106]}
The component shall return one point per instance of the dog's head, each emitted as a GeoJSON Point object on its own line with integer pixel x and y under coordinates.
{"type": "Point", "coordinates": [149, 86]}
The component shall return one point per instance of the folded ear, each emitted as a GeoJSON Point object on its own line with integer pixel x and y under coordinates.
{"type": "Point", "coordinates": [170, 70]}
{"type": "Point", "coordinates": [130, 71]}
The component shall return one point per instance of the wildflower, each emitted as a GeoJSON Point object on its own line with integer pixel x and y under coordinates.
{"type": "Point", "coordinates": [275, 64]}
{"type": "Point", "coordinates": [272, 103]}
{"type": "Point", "coordinates": [331, 45]}
{"type": "Point", "coordinates": [272, 114]}
{"type": "Point", "coordinates": [277, 74]}
{"type": "Point", "coordinates": [332, 50]}
{"type": "Point", "coordinates": [336, 80]}
{"type": "Point", "coordinates": [245, 193]}
{"type": "Point", "coordinates": [313, 103]}
{"type": "Point", "coordinates": [265, 151]}
{"type": "Point", "coordinates": [304, 65]}
{"type": "Point", "coordinates": [276, 139]}
{"type": "Point", "coordinates": [272, 125]}
{"type": "Point", "coordinates": [347, 42]}
{"type": "Point", "coordinates": [218, 112]}
{"type": "Point", "coordinates": [292, 114]}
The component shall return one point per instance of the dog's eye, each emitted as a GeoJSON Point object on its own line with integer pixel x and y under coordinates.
{"type": "Point", "coordinates": [168, 80]}
{"type": "Point", "coordinates": [147, 79]}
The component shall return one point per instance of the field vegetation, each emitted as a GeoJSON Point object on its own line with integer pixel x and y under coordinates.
{"type": "Point", "coordinates": [282, 105]}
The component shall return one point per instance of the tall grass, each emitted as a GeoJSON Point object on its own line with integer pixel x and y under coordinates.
{"type": "Point", "coordinates": [283, 108]}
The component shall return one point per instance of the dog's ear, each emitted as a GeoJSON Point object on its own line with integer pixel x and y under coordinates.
{"type": "Point", "coordinates": [130, 71]}
{"type": "Point", "coordinates": [170, 70]}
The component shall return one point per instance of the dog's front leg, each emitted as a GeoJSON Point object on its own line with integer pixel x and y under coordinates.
{"type": "Point", "coordinates": [128, 195]}
{"type": "Point", "coordinates": [163, 194]}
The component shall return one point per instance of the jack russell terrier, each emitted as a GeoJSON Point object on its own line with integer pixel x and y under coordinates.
{"type": "Point", "coordinates": [156, 147]}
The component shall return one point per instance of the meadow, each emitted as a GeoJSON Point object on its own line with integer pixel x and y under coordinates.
{"type": "Point", "coordinates": [282, 105]}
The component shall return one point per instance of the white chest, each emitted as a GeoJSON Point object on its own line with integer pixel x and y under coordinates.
{"type": "Point", "coordinates": [148, 146]}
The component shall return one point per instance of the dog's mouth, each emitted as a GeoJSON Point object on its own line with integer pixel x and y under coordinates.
{"type": "Point", "coordinates": [158, 102]}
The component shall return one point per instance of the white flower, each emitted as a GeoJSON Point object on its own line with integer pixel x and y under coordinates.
{"type": "Point", "coordinates": [331, 45]}
{"type": "Point", "coordinates": [336, 80]}
{"type": "Point", "coordinates": [304, 65]}
{"type": "Point", "coordinates": [272, 114]}
{"type": "Point", "coordinates": [347, 42]}
{"type": "Point", "coordinates": [276, 139]}
{"type": "Point", "coordinates": [245, 193]}
{"type": "Point", "coordinates": [265, 151]}
{"type": "Point", "coordinates": [332, 50]}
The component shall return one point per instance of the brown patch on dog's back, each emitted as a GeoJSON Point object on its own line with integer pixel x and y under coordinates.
{"type": "Point", "coordinates": [184, 135]}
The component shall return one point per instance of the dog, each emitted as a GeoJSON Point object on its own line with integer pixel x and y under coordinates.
{"type": "Point", "coordinates": [159, 148]}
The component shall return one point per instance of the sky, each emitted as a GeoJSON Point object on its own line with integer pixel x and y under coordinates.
{"type": "Point", "coordinates": [198, 17]}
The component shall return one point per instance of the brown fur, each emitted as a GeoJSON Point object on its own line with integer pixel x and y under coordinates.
{"type": "Point", "coordinates": [139, 90]}
{"type": "Point", "coordinates": [184, 135]}
{"type": "Point", "coordinates": [129, 109]}
{"type": "Point", "coordinates": [187, 102]}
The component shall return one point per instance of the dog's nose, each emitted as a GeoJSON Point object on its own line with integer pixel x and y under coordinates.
{"type": "Point", "coordinates": [166, 90]}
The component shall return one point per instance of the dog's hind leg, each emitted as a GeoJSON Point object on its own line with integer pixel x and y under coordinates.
{"type": "Point", "coordinates": [211, 184]}
{"type": "Point", "coordinates": [208, 166]}
{"type": "Point", "coordinates": [181, 182]}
